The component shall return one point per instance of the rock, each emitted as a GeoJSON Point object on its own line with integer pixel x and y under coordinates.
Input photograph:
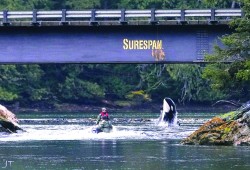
{"type": "Point", "coordinates": [232, 128]}
{"type": "Point", "coordinates": [8, 121]}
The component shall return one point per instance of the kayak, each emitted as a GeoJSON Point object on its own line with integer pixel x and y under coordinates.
{"type": "Point", "coordinates": [103, 126]}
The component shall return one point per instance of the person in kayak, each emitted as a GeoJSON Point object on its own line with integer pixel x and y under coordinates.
{"type": "Point", "coordinates": [103, 121]}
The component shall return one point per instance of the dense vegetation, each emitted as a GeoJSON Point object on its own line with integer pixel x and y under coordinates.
{"type": "Point", "coordinates": [111, 4]}
{"type": "Point", "coordinates": [138, 83]}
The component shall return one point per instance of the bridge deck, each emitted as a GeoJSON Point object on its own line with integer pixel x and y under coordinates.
{"type": "Point", "coordinates": [114, 23]}
{"type": "Point", "coordinates": [83, 37]}
{"type": "Point", "coordinates": [118, 17]}
{"type": "Point", "coordinates": [117, 44]}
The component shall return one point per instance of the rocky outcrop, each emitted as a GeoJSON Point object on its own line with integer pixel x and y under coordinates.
{"type": "Point", "coordinates": [230, 129]}
{"type": "Point", "coordinates": [8, 121]}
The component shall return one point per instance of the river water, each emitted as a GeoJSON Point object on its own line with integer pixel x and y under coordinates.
{"type": "Point", "coordinates": [65, 141]}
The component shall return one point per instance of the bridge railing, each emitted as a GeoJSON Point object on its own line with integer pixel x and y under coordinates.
{"type": "Point", "coordinates": [122, 16]}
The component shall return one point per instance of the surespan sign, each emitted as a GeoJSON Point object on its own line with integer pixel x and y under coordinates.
{"type": "Point", "coordinates": [154, 45]}
{"type": "Point", "coordinates": [142, 44]}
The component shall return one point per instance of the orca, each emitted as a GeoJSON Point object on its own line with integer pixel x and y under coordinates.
{"type": "Point", "coordinates": [168, 112]}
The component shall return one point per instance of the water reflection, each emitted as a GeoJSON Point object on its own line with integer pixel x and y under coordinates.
{"type": "Point", "coordinates": [135, 145]}
{"type": "Point", "coordinates": [122, 154]}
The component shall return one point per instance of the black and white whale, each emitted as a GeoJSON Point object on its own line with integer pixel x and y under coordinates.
{"type": "Point", "coordinates": [168, 112]}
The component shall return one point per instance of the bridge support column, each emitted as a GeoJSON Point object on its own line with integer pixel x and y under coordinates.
{"type": "Point", "coordinates": [242, 13]}
{"type": "Point", "coordinates": [153, 21]}
{"type": "Point", "coordinates": [212, 19]}
{"type": "Point", "coordinates": [183, 20]}
{"type": "Point", "coordinates": [34, 18]}
{"type": "Point", "coordinates": [5, 18]}
{"type": "Point", "coordinates": [123, 19]}
{"type": "Point", "coordinates": [63, 20]}
{"type": "Point", "coordinates": [92, 19]}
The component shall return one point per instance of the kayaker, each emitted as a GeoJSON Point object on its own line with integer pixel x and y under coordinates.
{"type": "Point", "coordinates": [103, 121]}
{"type": "Point", "coordinates": [103, 116]}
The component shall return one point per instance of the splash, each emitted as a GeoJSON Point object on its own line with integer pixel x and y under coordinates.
{"type": "Point", "coordinates": [145, 131]}
{"type": "Point", "coordinates": [71, 132]}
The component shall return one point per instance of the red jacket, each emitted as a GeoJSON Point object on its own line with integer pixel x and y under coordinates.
{"type": "Point", "coordinates": [104, 115]}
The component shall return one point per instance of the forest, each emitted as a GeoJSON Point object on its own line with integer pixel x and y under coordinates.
{"type": "Point", "coordinates": [115, 4]}
{"type": "Point", "coordinates": [133, 84]}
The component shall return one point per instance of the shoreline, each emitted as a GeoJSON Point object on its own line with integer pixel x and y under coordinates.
{"type": "Point", "coordinates": [96, 108]}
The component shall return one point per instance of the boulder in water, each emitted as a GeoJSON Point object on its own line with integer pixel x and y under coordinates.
{"type": "Point", "coordinates": [232, 128]}
{"type": "Point", "coordinates": [8, 121]}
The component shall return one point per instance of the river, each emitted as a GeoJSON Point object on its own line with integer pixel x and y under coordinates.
{"type": "Point", "coordinates": [65, 141]}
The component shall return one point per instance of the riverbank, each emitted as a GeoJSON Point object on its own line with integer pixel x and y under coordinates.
{"type": "Point", "coordinates": [147, 107]}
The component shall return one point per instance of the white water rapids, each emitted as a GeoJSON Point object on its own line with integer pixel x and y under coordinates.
{"type": "Point", "coordinates": [81, 129]}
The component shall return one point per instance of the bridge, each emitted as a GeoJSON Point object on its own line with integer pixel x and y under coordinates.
{"type": "Point", "coordinates": [112, 36]}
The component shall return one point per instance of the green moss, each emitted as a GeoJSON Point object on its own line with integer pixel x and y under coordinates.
{"type": "Point", "coordinates": [138, 96]}
{"type": "Point", "coordinates": [229, 116]}
{"type": "Point", "coordinates": [223, 137]}
{"type": "Point", "coordinates": [227, 130]}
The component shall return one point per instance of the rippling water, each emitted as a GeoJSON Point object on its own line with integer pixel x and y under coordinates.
{"type": "Point", "coordinates": [65, 141]}
{"type": "Point", "coordinates": [60, 127]}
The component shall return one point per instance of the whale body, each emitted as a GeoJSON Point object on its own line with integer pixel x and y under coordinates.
{"type": "Point", "coordinates": [168, 112]}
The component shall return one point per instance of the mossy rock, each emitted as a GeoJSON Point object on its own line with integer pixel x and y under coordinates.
{"type": "Point", "coordinates": [215, 132]}
{"type": "Point", "coordinates": [228, 116]}
{"type": "Point", "coordinates": [206, 133]}
{"type": "Point", "coordinates": [228, 129]}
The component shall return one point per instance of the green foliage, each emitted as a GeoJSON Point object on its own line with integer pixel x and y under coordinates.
{"type": "Point", "coordinates": [119, 80]}
{"type": "Point", "coordinates": [218, 74]}
{"type": "Point", "coordinates": [25, 4]}
{"type": "Point", "coordinates": [228, 79]}
{"type": "Point", "coordinates": [138, 96]}
{"type": "Point", "coordinates": [155, 81]}
{"type": "Point", "coordinates": [244, 72]}
{"type": "Point", "coordinates": [7, 96]}
{"type": "Point", "coordinates": [29, 84]}
{"type": "Point", "coordinates": [218, 3]}
{"type": "Point", "coordinates": [139, 4]}
{"type": "Point", "coordinates": [125, 103]}
{"type": "Point", "coordinates": [8, 90]}
{"type": "Point", "coordinates": [107, 4]}
{"type": "Point", "coordinates": [174, 4]}
{"type": "Point", "coordinates": [74, 85]}
{"type": "Point", "coordinates": [232, 79]}
{"type": "Point", "coordinates": [76, 89]}
{"type": "Point", "coordinates": [82, 4]}
{"type": "Point", "coordinates": [191, 84]}
{"type": "Point", "coordinates": [229, 116]}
